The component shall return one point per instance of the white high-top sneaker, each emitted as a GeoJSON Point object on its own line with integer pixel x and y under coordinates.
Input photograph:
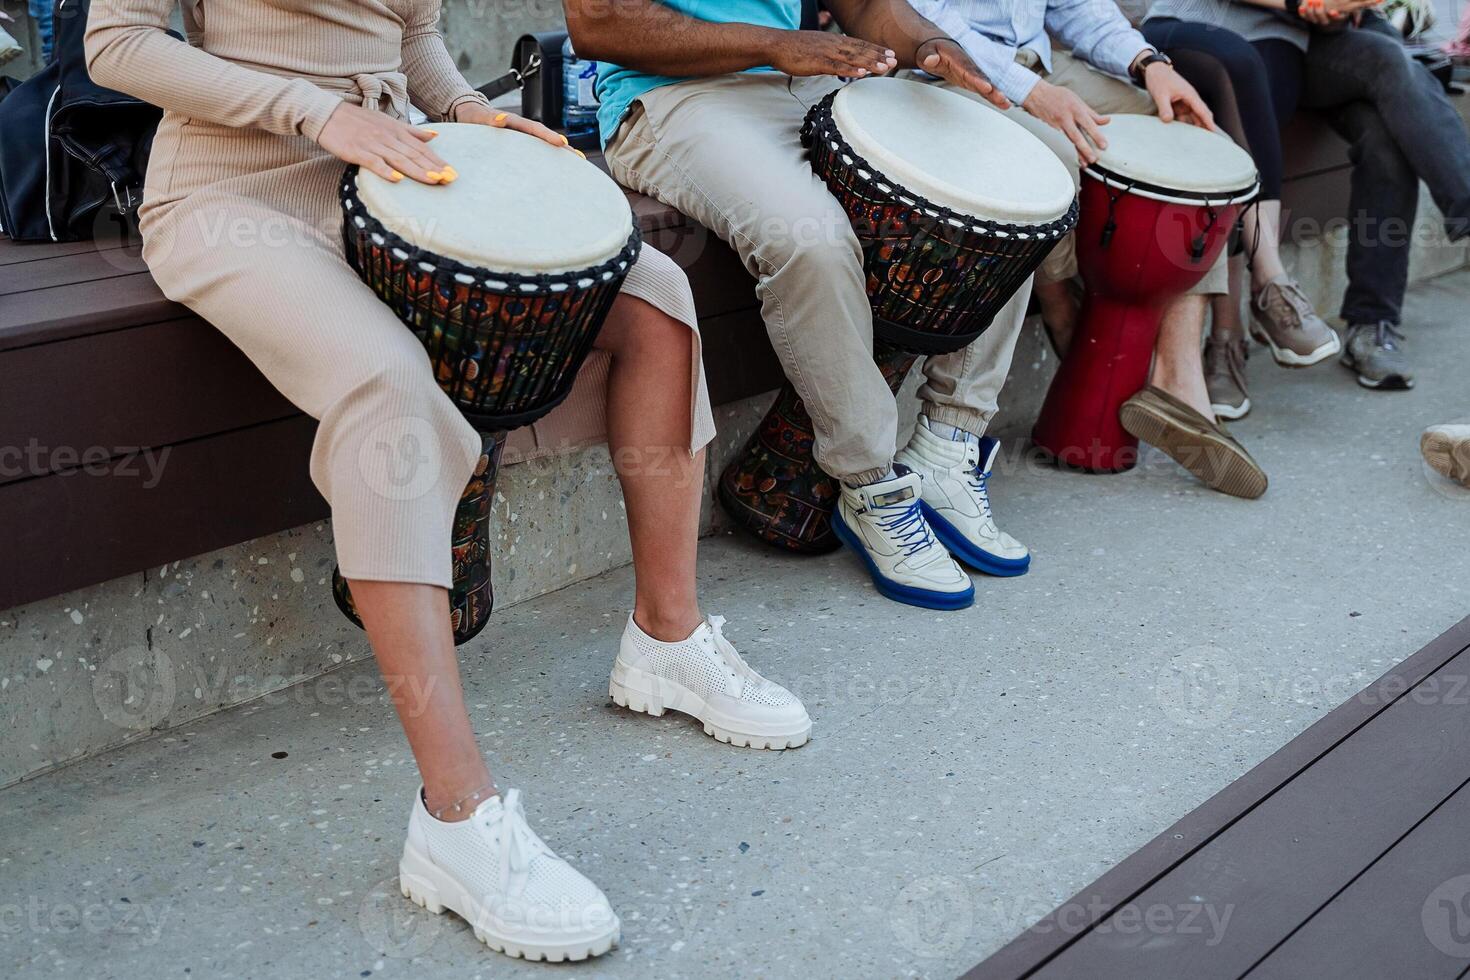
{"type": "Point", "coordinates": [956, 499]}
{"type": "Point", "coordinates": [883, 523]}
{"type": "Point", "coordinates": [495, 873]}
{"type": "Point", "coordinates": [705, 677]}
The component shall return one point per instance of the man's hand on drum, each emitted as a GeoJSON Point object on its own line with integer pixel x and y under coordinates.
{"type": "Point", "coordinates": [821, 53]}
{"type": "Point", "coordinates": [945, 58]}
{"type": "Point", "coordinates": [473, 112]}
{"type": "Point", "coordinates": [1175, 98]}
{"type": "Point", "coordinates": [1064, 110]}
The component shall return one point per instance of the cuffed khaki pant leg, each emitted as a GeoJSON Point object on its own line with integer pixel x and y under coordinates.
{"type": "Point", "coordinates": [725, 151]}
{"type": "Point", "coordinates": [963, 389]}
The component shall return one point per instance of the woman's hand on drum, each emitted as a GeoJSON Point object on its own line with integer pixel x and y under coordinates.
{"type": "Point", "coordinates": [483, 115]}
{"type": "Point", "coordinates": [1064, 110]}
{"type": "Point", "coordinates": [388, 147]}
{"type": "Point", "coordinates": [1175, 98]}
{"type": "Point", "coordinates": [945, 58]}
{"type": "Point", "coordinates": [821, 53]}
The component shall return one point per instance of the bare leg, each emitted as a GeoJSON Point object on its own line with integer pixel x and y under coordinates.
{"type": "Point", "coordinates": [1177, 366]}
{"type": "Point", "coordinates": [648, 399]}
{"type": "Point", "coordinates": [1262, 228]}
{"type": "Point", "coordinates": [408, 627]}
{"type": "Point", "coordinates": [1225, 321]}
{"type": "Point", "coordinates": [1060, 310]}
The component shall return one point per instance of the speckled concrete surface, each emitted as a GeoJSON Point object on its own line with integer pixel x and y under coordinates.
{"type": "Point", "coordinates": [967, 770]}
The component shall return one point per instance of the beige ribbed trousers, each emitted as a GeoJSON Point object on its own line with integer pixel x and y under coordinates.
{"type": "Point", "coordinates": [725, 151]}
{"type": "Point", "coordinates": [243, 227]}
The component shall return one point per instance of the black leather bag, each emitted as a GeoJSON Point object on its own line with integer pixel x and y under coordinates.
{"type": "Point", "coordinates": [535, 68]}
{"type": "Point", "coordinates": [72, 153]}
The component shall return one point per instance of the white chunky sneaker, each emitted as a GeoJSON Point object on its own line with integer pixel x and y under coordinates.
{"type": "Point", "coordinates": [884, 524]}
{"type": "Point", "coordinates": [495, 873]}
{"type": "Point", "coordinates": [704, 677]}
{"type": "Point", "coordinates": [956, 499]}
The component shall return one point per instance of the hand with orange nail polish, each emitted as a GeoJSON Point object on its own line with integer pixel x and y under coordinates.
{"type": "Point", "coordinates": [379, 143]}
{"type": "Point", "coordinates": [473, 112]}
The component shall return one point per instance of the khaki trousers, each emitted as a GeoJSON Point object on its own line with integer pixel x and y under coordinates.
{"type": "Point", "coordinates": [1107, 95]}
{"type": "Point", "coordinates": [725, 152]}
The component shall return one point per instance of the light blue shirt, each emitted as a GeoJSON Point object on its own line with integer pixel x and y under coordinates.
{"type": "Point", "coordinates": [992, 31]}
{"type": "Point", "coordinates": [618, 87]}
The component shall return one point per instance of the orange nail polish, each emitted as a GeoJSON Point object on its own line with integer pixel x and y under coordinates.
{"type": "Point", "coordinates": [500, 118]}
{"type": "Point", "coordinates": [581, 154]}
{"type": "Point", "coordinates": [395, 176]}
{"type": "Point", "coordinates": [565, 141]}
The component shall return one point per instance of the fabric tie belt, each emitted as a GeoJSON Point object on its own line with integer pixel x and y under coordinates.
{"type": "Point", "coordinates": [385, 92]}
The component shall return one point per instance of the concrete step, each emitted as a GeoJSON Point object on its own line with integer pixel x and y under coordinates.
{"type": "Point", "coordinates": [237, 624]}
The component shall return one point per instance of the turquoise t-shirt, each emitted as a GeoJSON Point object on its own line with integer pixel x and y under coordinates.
{"type": "Point", "coordinates": [617, 87]}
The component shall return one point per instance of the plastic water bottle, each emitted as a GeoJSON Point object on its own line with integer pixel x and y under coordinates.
{"type": "Point", "coordinates": [579, 96]}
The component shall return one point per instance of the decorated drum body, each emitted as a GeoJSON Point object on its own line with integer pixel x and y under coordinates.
{"type": "Point", "coordinates": [954, 206]}
{"type": "Point", "coordinates": [506, 275]}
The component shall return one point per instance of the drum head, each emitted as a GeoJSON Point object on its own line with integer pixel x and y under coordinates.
{"type": "Point", "coordinates": [1175, 156]}
{"type": "Point", "coordinates": [946, 148]}
{"type": "Point", "coordinates": [519, 205]}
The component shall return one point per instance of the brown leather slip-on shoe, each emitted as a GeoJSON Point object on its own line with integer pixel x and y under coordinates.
{"type": "Point", "coordinates": [1195, 442]}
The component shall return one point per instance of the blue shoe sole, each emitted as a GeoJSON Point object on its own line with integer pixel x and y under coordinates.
{"type": "Point", "coordinates": [906, 594]}
{"type": "Point", "coordinates": [961, 548]}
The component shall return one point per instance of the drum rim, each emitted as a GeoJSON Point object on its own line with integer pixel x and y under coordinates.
{"type": "Point", "coordinates": [1172, 195]}
{"type": "Point", "coordinates": [819, 124]}
{"type": "Point", "coordinates": [354, 212]}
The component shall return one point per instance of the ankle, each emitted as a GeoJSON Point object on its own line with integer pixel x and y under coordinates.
{"type": "Point", "coordinates": [668, 624]}
{"type": "Point", "coordinates": [451, 804]}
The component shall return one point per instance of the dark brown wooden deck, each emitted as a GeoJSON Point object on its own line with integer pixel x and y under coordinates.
{"type": "Point", "coordinates": [1346, 854]}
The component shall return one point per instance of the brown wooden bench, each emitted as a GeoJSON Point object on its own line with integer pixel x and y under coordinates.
{"type": "Point", "coordinates": [95, 363]}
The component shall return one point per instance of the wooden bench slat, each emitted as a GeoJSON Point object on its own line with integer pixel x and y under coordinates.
{"type": "Point", "coordinates": [1380, 925]}
{"type": "Point", "coordinates": [152, 385]}
{"type": "Point", "coordinates": [65, 270]}
{"type": "Point", "coordinates": [63, 532]}
{"type": "Point", "coordinates": [45, 315]}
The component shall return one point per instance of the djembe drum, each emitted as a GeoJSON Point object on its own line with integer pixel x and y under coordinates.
{"type": "Point", "coordinates": [954, 206]}
{"type": "Point", "coordinates": [1157, 208]}
{"type": "Point", "coordinates": [506, 276]}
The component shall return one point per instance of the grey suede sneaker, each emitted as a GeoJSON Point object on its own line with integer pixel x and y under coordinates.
{"type": "Point", "coordinates": [1225, 378]}
{"type": "Point", "coordinates": [1283, 319]}
{"type": "Point", "coordinates": [1373, 351]}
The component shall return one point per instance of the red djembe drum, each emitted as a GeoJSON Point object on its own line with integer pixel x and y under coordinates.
{"type": "Point", "coordinates": [506, 286]}
{"type": "Point", "coordinates": [954, 206]}
{"type": "Point", "coordinates": [1157, 208]}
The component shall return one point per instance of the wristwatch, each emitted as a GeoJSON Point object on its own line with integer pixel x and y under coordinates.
{"type": "Point", "coordinates": [1153, 57]}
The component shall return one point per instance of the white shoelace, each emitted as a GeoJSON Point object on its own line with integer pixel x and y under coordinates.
{"type": "Point", "coordinates": [729, 655]}
{"type": "Point", "coordinates": [519, 845]}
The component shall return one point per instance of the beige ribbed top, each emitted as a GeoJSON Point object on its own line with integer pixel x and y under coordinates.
{"type": "Point", "coordinates": [280, 65]}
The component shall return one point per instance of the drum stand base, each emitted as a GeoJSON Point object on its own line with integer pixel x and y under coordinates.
{"type": "Point", "coordinates": [472, 597]}
{"type": "Point", "coordinates": [1107, 364]}
{"type": "Point", "coordinates": [773, 487]}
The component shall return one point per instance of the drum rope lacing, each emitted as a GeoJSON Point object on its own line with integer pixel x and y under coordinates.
{"type": "Point", "coordinates": [820, 125]}
{"type": "Point", "coordinates": [529, 284]}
